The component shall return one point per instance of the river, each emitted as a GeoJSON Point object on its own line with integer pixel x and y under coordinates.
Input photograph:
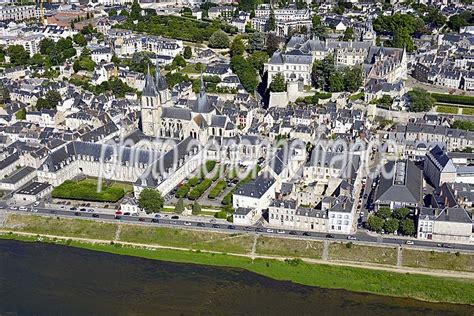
{"type": "Point", "coordinates": [45, 279]}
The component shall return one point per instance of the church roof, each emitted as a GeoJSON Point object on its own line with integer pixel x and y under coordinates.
{"type": "Point", "coordinates": [202, 104]}
{"type": "Point", "coordinates": [149, 90]}
{"type": "Point", "coordinates": [160, 81]}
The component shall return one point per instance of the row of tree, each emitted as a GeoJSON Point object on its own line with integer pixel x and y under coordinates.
{"type": "Point", "coordinates": [390, 222]}
{"type": "Point", "coordinates": [326, 76]}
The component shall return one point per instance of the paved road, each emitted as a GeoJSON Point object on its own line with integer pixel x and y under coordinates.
{"type": "Point", "coordinates": [167, 221]}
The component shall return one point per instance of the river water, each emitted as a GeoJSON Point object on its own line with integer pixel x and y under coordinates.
{"type": "Point", "coordinates": [45, 279]}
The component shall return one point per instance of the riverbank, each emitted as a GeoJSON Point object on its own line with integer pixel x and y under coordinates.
{"type": "Point", "coordinates": [418, 286]}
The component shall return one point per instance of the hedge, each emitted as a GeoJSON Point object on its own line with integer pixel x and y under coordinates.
{"type": "Point", "coordinates": [324, 95]}
{"type": "Point", "coordinates": [199, 189]}
{"type": "Point", "coordinates": [217, 189]}
{"type": "Point", "coordinates": [193, 181]}
{"type": "Point", "coordinates": [454, 99]}
{"type": "Point", "coordinates": [87, 191]}
{"type": "Point", "coordinates": [182, 191]}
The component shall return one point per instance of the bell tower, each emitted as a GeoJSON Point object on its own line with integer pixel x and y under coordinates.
{"type": "Point", "coordinates": [150, 107]}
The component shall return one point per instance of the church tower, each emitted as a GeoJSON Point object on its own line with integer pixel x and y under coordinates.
{"type": "Point", "coordinates": [150, 107]}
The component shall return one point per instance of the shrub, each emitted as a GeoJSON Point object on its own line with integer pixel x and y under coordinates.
{"type": "Point", "coordinates": [221, 215]}
{"type": "Point", "coordinates": [193, 181]}
{"type": "Point", "coordinates": [227, 200]}
{"type": "Point", "coordinates": [217, 189]}
{"type": "Point", "coordinates": [199, 189]}
{"type": "Point", "coordinates": [182, 191]}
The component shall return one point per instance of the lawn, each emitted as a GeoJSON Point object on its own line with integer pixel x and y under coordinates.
{"type": "Point", "coordinates": [447, 109]}
{"type": "Point", "coordinates": [289, 247]}
{"type": "Point", "coordinates": [61, 226]}
{"type": "Point", "coordinates": [356, 96]}
{"type": "Point", "coordinates": [361, 253]}
{"type": "Point", "coordinates": [86, 190]}
{"type": "Point", "coordinates": [468, 111]}
{"type": "Point", "coordinates": [438, 260]}
{"type": "Point", "coordinates": [223, 242]}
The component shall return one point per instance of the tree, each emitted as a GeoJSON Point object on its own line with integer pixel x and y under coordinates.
{"type": "Point", "coordinates": [178, 61]}
{"type": "Point", "coordinates": [420, 100]}
{"type": "Point", "coordinates": [219, 39]}
{"type": "Point", "coordinates": [188, 53]}
{"type": "Point", "coordinates": [384, 213]}
{"type": "Point", "coordinates": [80, 39]}
{"type": "Point", "coordinates": [321, 72]}
{"type": "Point", "coordinates": [21, 114]}
{"type": "Point", "coordinates": [273, 43]}
{"type": "Point", "coordinates": [51, 100]}
{"type": "Point", "coordinates": [179, 206]}
{"type": "Point", "coordinates": [36, 59]}
{"type": "Point", "coordinates": [348, 34]}
{"type": "Point", "coordinates": [390, 226]}
{"type": "Point", "coordinates": [258, 59]}
{"type": "Point", "coordinates": [237, 47]}
{"type": "Point", "coordinates": [460, 20]}
{"type": "Point", "coordinates": [115, 60]}
{"type": "Point", "coordinates": [352, 78]}
{"type": "Point", "coordinates": [401, 213]}
{"type": "Point", "coordinates": [246, 73]}
{"type": "Point", "coordinates": [403, 39]}
{"type": "Point", "coordinates": [150, 200]}
{"type": "Point", "coordinates": [83, 63]}
{"type": "Point", "coordinates": [271, 23]}
{"type": "Point", "coordinates": [135, 11]}
{"type": "Point", "coordinates": [112, 12]}
{"type": "Point", "coordinates": [18, 54]}
{"type": "Point", "coordinates": [256, 42]}
{"type": "Point", "coordinates": [124, 12]}
{"type": "Point", "coordinates": [336, 82]}
{"type": "Point", "coordinates": [278, 83]}
{"type": "Point", "coordinates": [196, 209]}
{"type": "Point", "coordinates": [375, 223]}
{"type": "Point", "coordinates": [464, 125]}
{"type": "Point", "coordinates": [408, 227]}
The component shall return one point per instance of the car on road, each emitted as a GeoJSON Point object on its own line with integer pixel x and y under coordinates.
{"type": "Point", "coordinates": [95, 215]}
{"type": "Point", "coordinates": [175, 217]}
{"type": "Point", "coordinates": [155, 220]}
{"type": "Point", "coordinates": [82, 210]}
{"type": "Point", "coordinates": [22, 208]}
{"type": "Point", "coordinates": [280, 231]}
{"type": "Point", "coordinates": [259, 230]}
{"type": "Point", "coordinates": [446, 246]}
{"type": "Point", "coordinates": [230, 227]}
{"type": "Point", "coordinates": [120, 213]}
{"type": "Point", "coordinates": [126, 214]}
{"type": "Point", "coordinates": [269, 230]}
{"type": "Point", "coordinates": [329, 236]}
{"type": "Point", "coordinates": [77, 214]}
{"type": "Point", "coordinates": [247, 228]}
{"type": "Point", "coordinates": [212, 221]}
{"type": "Point", "coordinates": [90, 210]}
{"type": "Point", "coordinates": [13, 207]}
{"type": "Point", "coordinates": [216, 226]}
{"type": "Point", "coordinates": [73, 208]}
{"type": "Point", "coordinates": [36, 203]}
{"type": "Point", "coordinates": [135, 214]}
{"type": "Point", "coordinates": [141, 219]}
{"type": "Point", "coordinates": [53, 212]}
{"type": "Point", "coordinates": [187, 224]}
{"type": "Point", "coordinates": [292, 233]}
{"type": "Point", "coordinates": [173, 222]}
{"type": "Point", "coordinates": [351, 238]}
{"type": "Point", "coordinates": [34, 210]}
{"type": "Point", "coordinates": [409, 242]}
{"type": "Point", "coordinates": [157, 215]}
{"type": "Point", "coordinates": [201, 224]}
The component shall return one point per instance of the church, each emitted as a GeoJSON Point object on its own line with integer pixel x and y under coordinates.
{"type": "Point", "coordinates": [160, 118]}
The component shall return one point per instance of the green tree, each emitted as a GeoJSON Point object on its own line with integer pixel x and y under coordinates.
{"type": "Point", "coordinates": [188, 52]}
{"type": "Point", "coordinates": [237, 47]}
{"type": "Point", "coordinates": [36, 59]}
{"type": "Point", "coordinates": [348, 34]}
{"type": "Point", "coordinates": [178, 61]}
{"type": "Point", "coordinates": [135, 11]}
{"type": "Point", "coordinates": [258, 59]}
{"type": "Point", "coordinates": [271, 23]}
{"type": "Point", "coordinates": [124, 12]}
{"type": "Point", "coordinates": [112, 12]}
{"type": "Point", "coordinates": [278, 83]}
{"type": "Point", "coordinates": [150, 200]}
{"type": "Point", "coordinates": [18, 54]}
{"type": "Point", "coordinates": [336, 82]}
{"type": "Point", "coordinates": [115, 60]}
{"type": "Point", "coordinates": [352, 78]}
{"type": "Point", "coordinates": [384, 213]}
{"type": "Point", "coordinates": [391, 225]}
{"type": "Point", "coordinates": [196, 209]}
{"type": "Point", "coordinates": [401, 213]}
{"type": "Point", "coordinates": [46, 46]}
{"type": "Point", "coordinates": [375, 223]}
{"type": "Point", "coordinates": [83, 63]}
{"type": "Point", "coordinates": [464, 125]}
{"type": "Point", "coordinates": [179, 206]}
{"type": "Point", "coordinates": [51, 100]}
{"type": "Point", "coordinates": [80, 39]}
{"type": "Point", "coordinates": [219, 39]}
{"type": "Point", "coordinates": [322, 71]}
{"type": "Point", "coordinates": [408, 227]}
{"type": "Point", "coordinates": [420, 100]}
{"type": "Point", "coordinates": [402, 39]}
{"type": "Point", "coordinates": [246, 73]}
{"type": "Point", "coordinates": [256, 42]}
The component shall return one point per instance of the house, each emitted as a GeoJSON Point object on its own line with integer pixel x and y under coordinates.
{"type": "Point", "coordinates": [452, 224]}
{"type": "Point", "coordinates": [18, 179]}
{"type": "Point", "coordinates": [286, 214]}
{"type": "Point", "coordinates": [340, 214]}
{"type": "Point", "coordinates": [257, 194]}
{"type": "Point", "coordinates": [32, 192]}
{"type": "Point", "coordinates": [245, 216]}
{"type": "Point", "coordinates": [400, 186]}
{"type": "Point", "coordinates": [438, 167]}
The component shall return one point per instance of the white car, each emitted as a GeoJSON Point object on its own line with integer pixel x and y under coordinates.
{"type": "Point", "coordinates": [36, 203]}
{"type": "Point", "coordinates": [351, 238]}
{"type": "Point", "coordinates": [269, 230]}
{"type": "Point", "coordinates": [22, 208]}
{"type": "Point", "coordinates": [34, 210]}
{"type": "Point", "coordinates": [409, 242]}
{"type": "Point", "coordinates": [280, 231]}
{"type": "Point", "coordinates": [187, 224]}
{"type": "Point", "coordinates": [13, 207]}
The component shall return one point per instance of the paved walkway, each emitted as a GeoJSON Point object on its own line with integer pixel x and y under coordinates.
{"type": "Point", "coordinates": [363, 265]}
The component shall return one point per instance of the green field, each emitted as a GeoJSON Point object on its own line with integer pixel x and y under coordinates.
{"type": "Point", "coordinates": [453, 99]}
{"type": "Point", "coordinates": [468, 111]}
{"type": "Point", "coordinates": [438, 260]}
{"type": "Point", "coordinates": [447, 109]}
{"type": "Point", "coordinates": [199, 240]}
{"type": "Point", "coordinates": [289, 247]}
{"type": "Point", "coordinates": [61, 226]}
{"type": "Point", "coordinates": [361, 253]}
{"type": "Point", "coordinates": [86, 190]}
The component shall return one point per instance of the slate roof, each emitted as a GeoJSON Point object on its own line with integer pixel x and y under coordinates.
{"type": "Point", "coordinates": [257, 187]}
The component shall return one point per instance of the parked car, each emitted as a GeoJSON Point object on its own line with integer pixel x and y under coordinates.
{"type": "Point", "coordinates": [13, 207]}
{"type": "Point", "coordinates": [36, 203]}
{"type": "Point", "coordinates": [95, 215]}
{"type": "Point", "coordinates": [269, 230]}
{"type": "Point", "coordinates": [201, 224]}
{"type": "Point", "coordinates": [329, 236]}
{"type": "Point", "coordinates": [126, 214]}
{"type": "Point", "coordinates": [173, 222]}
{"type": "Point", "coordinates": [409, 242]}
{"type": "Point", "coordinates": [187, 224]}
{"type": "Point", "coordinates": [351, 238]}
{"type": "Point", "coordinates": [22, 208]}
{"type": "Point", "coordinates": [82, 210]}
{"type": "Point", "coordinates": [259, 230]}
{"type": "Point", "coordinates": [446, 246]}
{"type": "Point", "coordinates": [155, 220]}
{"type": "Point", "coordinates": [292, 233]}
{"type": "Point", "coordinates": [77, 214]}
{"type": "Point", "coordinates": [120, 213]}
{"type": "Point", "coordinates": [280, 231]}
{"type": "Point", "coordinates": [141, 219]}
{"type": "Point", "coordinates": [91, 210]}
{"type": "Point", "coordinates": [34, 210]}
{"type": "Point", "coordinates": [216, 226]}
{"type": "Point", "coordinates": [247, 228]}
{"type": "Point", "coordinates": [157, 215]}
{"type": "Point", "coordinates": [230, 227]}
{"type": "Point", "coordinates": [175, 217]}
{"type": "Point", "coordinates": [212, 221]}
{"type": "Point", "coordinates": [73, 208]}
